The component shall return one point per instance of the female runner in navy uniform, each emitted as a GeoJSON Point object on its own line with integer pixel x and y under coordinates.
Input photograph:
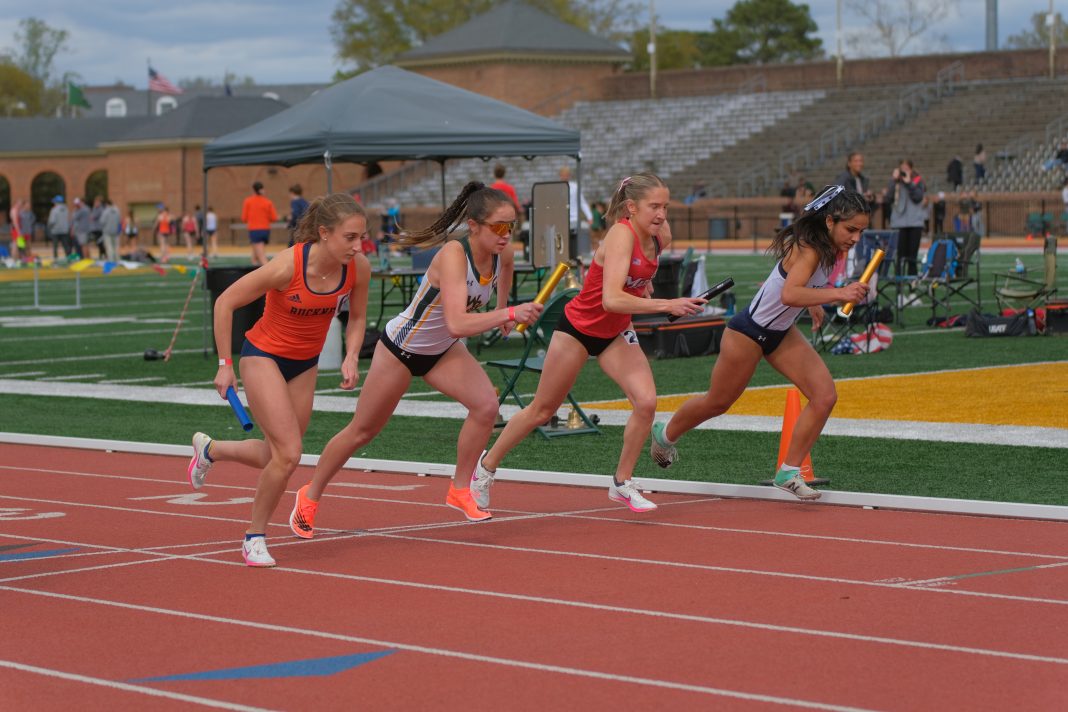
{"type": "Point", "coordinates": [806, 251]}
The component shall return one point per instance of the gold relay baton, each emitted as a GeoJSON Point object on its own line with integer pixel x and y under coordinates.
{"type": "Point", "coordinates": [873, 264]}
{"type": "Point", "coordinates": [547, 288]}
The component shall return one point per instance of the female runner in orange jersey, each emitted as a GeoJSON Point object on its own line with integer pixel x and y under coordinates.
{"type": "Point", "coordinates": [305, 286]}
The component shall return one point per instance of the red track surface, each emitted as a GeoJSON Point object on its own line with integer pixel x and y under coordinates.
{"type": "Point", "coordinates": [564, 600]}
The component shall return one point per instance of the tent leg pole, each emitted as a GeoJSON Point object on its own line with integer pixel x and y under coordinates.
{"type": "Point", "coordinates": [204, 263]}
{"type": "Point", "coordinates": [444, 199]}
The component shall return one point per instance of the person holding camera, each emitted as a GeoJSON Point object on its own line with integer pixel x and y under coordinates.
{"type": "Point", "coordinates": [907, 215]}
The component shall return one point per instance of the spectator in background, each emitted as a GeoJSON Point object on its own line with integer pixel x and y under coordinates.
{"type": "Point", "coordinates": [938, 214]}
{"type": "Point", "coordinates": [853, 177]}
{"type": "Point", "coordinates": [80, 227]}
{"type": "Point", "coordinates": [885, 200]}
{"type": "Point", "coordinates": [505, 187]}
{"type": "Point", "coordinates": [907, 216]}
{"type": "Point", "coordinates": [189, 235]}
{"type": "Point", "coordinates": [27, 226]}
{"type": "Point", "coordinates": [975, 224]}
{"type": "Point", "coordinates": [130, 230]}
{"type": "Point", "coordinates": [598, 224]}
{"type": "Point", "coordinates": [58, 228]}
{"type": "Point", "coordinates": [211, 226]}
{"type": "Point", "coordinates": [979, 163]}
{"type": "Point", "coordinates": [1059, 160]}
{"type": "Point", "coordinates": [162, 228]}
{"type": "Point", "coordinates": [95, 231]}
{"type": "Point", "coordinates": [955, 173]}
{"type": "Point", "coordinates": [257, 212]}
{"type": "Point", "coordinates": [297, 207]}
{"type": "Point", "coordinates": [110, 228]}
{"type": "Point", "coordinates": [696, 194]}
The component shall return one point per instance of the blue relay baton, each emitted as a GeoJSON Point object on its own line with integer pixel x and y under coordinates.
{"type": "Point", "coordinates": [239, 410]}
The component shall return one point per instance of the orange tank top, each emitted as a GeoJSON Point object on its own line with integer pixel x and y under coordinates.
{"type": "Point", "coordinates": [295, 319]}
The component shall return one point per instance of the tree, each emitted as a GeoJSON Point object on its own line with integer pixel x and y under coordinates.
{"type": "Point", "coordinates": [765, 31]}
{"type": "Point", "coordinates": [897, 23]}
{"type": "Point", "coordinates": [675, 49]}
{"type": "Point", "coordinates": [370, 33]}
{"type": "Point", "coordinates": [37, 45]}
{"type": "Point", "coordinates": [20, 94]}
{"type": "Point", "coordinates": [1038, 36]}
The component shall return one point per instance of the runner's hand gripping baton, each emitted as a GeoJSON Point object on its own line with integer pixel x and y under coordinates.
{"type": "Point", "coordinates": [876, 259]}
{"type": "Point", "coordinates": [547, 288]}
{"type": "Point", "coordinates": [714, 291]}
{"type": "Point", "coordinates": [239, 410]}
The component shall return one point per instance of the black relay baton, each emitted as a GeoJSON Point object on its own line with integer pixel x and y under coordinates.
{"type": "Point", "coordinates": [712, 292]}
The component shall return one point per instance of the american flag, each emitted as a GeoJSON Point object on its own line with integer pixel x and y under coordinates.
{"type": "Point", "coordinates": [158, 82]}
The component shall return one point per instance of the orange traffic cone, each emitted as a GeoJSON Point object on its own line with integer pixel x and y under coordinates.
{"type": "Point", "coordinates": [789, 419]}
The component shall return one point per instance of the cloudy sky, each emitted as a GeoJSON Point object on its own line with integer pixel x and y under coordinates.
{"type": "Point", "coordinates": [281, 41]}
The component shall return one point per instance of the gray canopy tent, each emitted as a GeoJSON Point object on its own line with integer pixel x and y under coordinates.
{"type": "Point", "coordinates": [391, 114]}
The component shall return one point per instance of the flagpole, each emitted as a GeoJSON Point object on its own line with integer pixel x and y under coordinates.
{"type": "Point", "coordinates": [148, 95]}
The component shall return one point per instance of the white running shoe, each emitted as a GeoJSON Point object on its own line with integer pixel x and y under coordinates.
{"type": "Point", "coordinates": [255, 552]}
{"type": "Point", "coordinates": [200, 464]}
{"type": "Point", "coordinates": [797, 486]}
{"type": "Point", "coordinates": [481, 481]}
{"type": "Point", "coordinates": [664, 453]}
{"type": "Point", "coordinates": [628, 494]}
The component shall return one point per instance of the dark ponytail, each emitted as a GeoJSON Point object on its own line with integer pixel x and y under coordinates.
{"type": "Point", "coordinates": [475, 202]}
{"type": "Point", "coordinates": [810, 228]}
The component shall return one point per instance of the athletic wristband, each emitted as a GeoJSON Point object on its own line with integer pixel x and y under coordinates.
{"type": "Point", "coordinates": [511, 313]}
{"type": "Point", "coordinates": [226, 362]}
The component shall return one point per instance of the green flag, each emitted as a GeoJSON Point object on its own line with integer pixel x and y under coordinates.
{"type": "Point", "coordinates": [75, 96]}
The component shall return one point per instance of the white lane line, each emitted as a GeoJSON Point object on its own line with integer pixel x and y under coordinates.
{"type": "Point", "coordinates": [443, 652]}
{"type": "Point", "coordinates": [24, 374]}
{"type": "Point", "coordinates": [646, 522]}
{"type": "Point", "coordinates": [900, 586]}
{"type": "Point", "coordinates": [73, 377]}
{"type": "Point", "coordinates": [144, 379]}
{"type": "Point", "coordinates": [97, 357]}
{"type": "Point", "coordinates": [126, 687]}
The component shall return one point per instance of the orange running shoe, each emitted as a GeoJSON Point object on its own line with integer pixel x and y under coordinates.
{"type": "Point", "coordinates": [461, 500]}
{"type": "Point", "coordinates": [302, 519]}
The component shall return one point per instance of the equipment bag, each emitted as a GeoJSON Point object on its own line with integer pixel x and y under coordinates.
{"type": "Point", "coordinates": [1021, 324]}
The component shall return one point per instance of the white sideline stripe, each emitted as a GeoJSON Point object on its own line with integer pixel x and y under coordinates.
{"type": "Point", "coordinates": [901, 429]}
{"type": "Point", "coordinates": [577, 514]}
{"type": "Point", "coordinates": [712, 489]}
{"type": "Point", "coordinates": [907, 585]}
{"type": "Point", "coordinates": [24, 374]}
{"type": "Point", "coordinates": [126, 687]}
{"type": "Point", "coordinates": [443, 652]}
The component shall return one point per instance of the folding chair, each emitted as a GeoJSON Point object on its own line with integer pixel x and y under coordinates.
{"type": "Point", "coordinates": [1019, 292]}
{"type": "Point", "coordinates": [838, 326]}
{"type": "Point", "coordinates": [511, 369]}
{"type": "Point", "coordinates": [968, 272]}
{"type": "Point", "coordinates": [939, 266]}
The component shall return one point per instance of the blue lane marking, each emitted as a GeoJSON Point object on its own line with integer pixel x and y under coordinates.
{"type": "Point", "coordinates": [35, 554]}
{"type": "Point", "coordinates": [295, 668]}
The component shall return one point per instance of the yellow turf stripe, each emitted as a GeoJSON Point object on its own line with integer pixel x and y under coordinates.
{"type": "Point", "coordinates": [1005, 395]}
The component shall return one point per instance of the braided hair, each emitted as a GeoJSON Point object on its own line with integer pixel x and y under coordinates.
{"type": "Point", "coordinates": [810, 228]}
{"type": "Point", "coordinates": [475, 202]}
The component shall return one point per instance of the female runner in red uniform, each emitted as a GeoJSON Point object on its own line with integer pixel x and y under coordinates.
{"type": "Point", "coordinates": [598, 323]}
{"type": "Point", "coordinates": [305, 286]}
